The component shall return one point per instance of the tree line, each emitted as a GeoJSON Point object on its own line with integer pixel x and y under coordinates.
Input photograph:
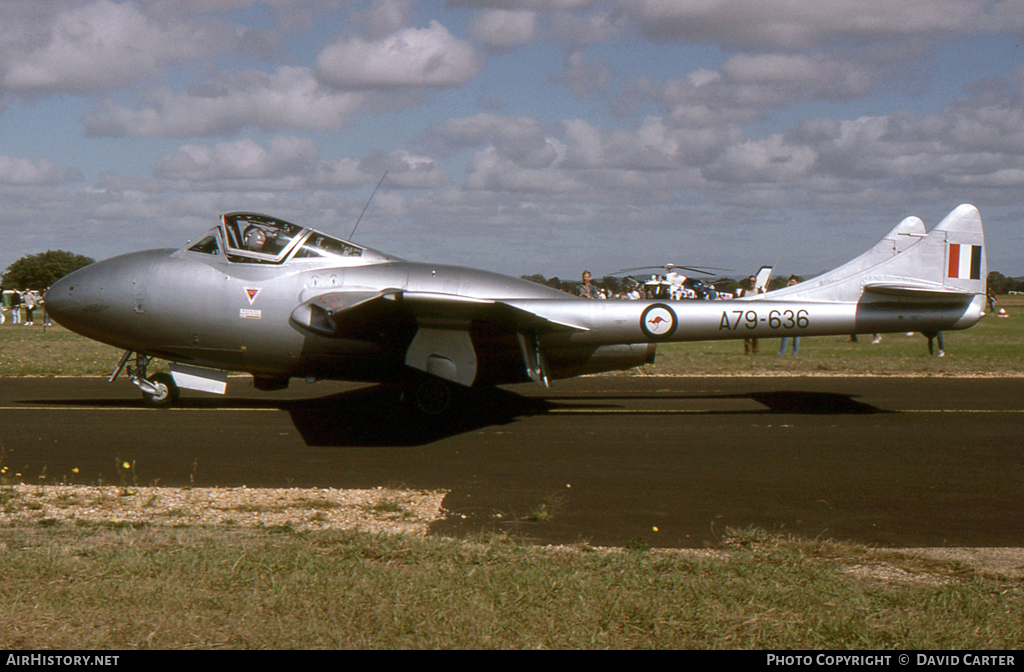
{"type": "Point", "coordinates": [39, 271]}
{"type": "Point", "coordinates": [1000, 284]}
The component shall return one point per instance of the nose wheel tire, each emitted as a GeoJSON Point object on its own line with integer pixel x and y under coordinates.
{"type": "Point", "coordinates": [167, 392]}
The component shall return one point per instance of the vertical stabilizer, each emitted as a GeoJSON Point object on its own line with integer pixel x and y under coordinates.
{"type": "Point", "coordinates": [904, 235]}
{"type": "Point", "coordinates": [946, 265]}
{"type": "Point", "coordinates": [965, 265]}
{"type": "Point", "coordinates": [950, 260]}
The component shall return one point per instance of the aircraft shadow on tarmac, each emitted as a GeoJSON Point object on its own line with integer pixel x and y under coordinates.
{"type": "Point", "coordinates": [371, 416]}
{"type": "Point", "coordinates": [812, 403]}
{"type": "Point", "coordinates": [783, 401]}
{"type": "Point", "coordinates": [374, 416]}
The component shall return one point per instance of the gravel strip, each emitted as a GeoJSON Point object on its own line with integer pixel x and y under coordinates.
{"type": "Point", "coordinates": [378, 510]}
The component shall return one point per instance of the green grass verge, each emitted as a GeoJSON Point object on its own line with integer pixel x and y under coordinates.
{"type": "Point", "coordinates": [53, 351]}
{"type": "Point", "coordinates": [95, 588]}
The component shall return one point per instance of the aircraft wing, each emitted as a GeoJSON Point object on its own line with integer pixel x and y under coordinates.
{"type": "Point", "coordinates": [441, 344]}
{"type": "Point", "coordinates": [335, 313]}
{"type": "Point", "coordinates": [430, 305]}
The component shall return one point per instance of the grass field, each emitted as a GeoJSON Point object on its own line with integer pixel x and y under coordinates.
{"type": "Point", "coordinates": [190, 587]}
{"type": "Point", "coordinates": [95, 585]}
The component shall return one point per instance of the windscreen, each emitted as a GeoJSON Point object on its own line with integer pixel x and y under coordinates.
{"type": "Point", "coordinates": [256, 238]}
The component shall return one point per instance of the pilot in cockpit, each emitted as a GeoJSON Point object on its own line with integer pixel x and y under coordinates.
{"type": "Point", "coordinates": [254, 238]}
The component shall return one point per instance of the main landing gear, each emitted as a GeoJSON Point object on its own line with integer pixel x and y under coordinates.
{"type": "Point", "coordinates": [430, 397]}
{"type": "Point", "coordinates": [158, 390]}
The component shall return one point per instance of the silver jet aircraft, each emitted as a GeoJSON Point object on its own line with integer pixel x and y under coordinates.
{"type": "Point", "coordinates": [279, 301]}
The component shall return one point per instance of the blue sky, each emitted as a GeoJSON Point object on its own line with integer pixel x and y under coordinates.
{"type": "Point", "coordinates": [525, 136]}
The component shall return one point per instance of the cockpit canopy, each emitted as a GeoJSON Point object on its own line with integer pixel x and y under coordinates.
{"type": "Point", "coordinates": [247, 237]}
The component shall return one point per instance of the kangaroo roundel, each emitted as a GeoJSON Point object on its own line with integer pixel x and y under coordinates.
{"type": "Point", "coordinates": [658, 321]}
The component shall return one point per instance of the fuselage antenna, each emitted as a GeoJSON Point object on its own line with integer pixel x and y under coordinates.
{"type": "Point", "coordinates": [367, 205]}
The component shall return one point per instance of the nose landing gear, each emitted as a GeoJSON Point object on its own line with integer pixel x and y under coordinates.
{"type": "Point", "coordinates": [165, 392]}
{"type": "Point", "coordinates": [158, 390]}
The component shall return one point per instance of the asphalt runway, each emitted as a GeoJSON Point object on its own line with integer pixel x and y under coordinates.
{"type": "Point", "coordinates": [605, 460]}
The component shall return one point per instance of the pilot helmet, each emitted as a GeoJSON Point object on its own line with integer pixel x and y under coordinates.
{"type": "Point", "coordinates": [255, 239]}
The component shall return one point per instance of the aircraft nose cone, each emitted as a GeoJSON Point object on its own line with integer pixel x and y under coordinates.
{"type": "Point", "coordinates": [105, 300]}
{"type": "Point", "coordinates": [64, 299]}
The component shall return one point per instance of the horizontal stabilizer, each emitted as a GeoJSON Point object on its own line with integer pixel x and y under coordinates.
{"type": "Point", "coordinates": [922, 292]}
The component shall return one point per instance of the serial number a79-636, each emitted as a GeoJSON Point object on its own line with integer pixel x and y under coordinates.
{"type": "Point", "coordinates": [773, 319]}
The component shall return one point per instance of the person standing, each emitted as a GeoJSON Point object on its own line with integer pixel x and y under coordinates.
{"type": "Point", "coordinates": [751, 346]}
{"type": "Point", "coordinates": [16, 307]}
{"type": "Point", "coordinates": [46, 315]}
{"type": "Point", "coordinates": [30, 299]}
{"type": "Point", "coordinates": [587, 290]}
{"type": "Point", "coordinates": [785, 339]}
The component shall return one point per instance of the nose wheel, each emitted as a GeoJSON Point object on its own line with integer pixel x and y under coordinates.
{"type": "Point", "coordinates": [158, 390]}
{"type": "Point", "coordinates": [161, 391]}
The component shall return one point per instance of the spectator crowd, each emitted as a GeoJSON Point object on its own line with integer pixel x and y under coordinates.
{"type": "Point", "coordinates": [20, 307]}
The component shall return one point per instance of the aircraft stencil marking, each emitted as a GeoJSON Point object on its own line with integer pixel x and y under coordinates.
{"type": "Point", "coordinates": [251, 293]}
{"type": "Point", "coordinates": [773, 319]}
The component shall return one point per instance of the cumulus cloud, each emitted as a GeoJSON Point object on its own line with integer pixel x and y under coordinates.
{"type": "Point", "coordinates": [807, 24]}
{"type": "Point", "coordinates": [405, 170]}
{"type": "Point", "coordinates": [964, 144]}
{"type": "Point", "coordinates": [288, 98]}
{"type": "Point", "coordinates": [577, 159]}
{"type": "Point", "coordinates": [975, 143]}
{"type": "Point", "coordinates": [24, 172]}
{"type": "Point", "coordinates": [511, 132]}
{"type": "Point", "coordinates": [500, 29]}
{"type": "Point", "coordinates": [584, 77]}
{"type": "Point", "coordinates": [531, 5]}
{"type": "Point", "coordinates": [746, 85]}
{"type": "Point", "coordinates": [242, 160]}
{"type": "Point", "coordinates": [289, 164]}
{"type": "Point", "coordinates": [383, 17]}
{"type": "Point", "coordinates": [102, 45]}
{"type": "Point", "coordinates": [589, 28]}
{"type": "Point", "coordinates": [411, 57]}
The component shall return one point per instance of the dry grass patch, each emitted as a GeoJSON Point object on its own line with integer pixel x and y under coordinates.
{"type": "Point", "coordinates": [376, 510]}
